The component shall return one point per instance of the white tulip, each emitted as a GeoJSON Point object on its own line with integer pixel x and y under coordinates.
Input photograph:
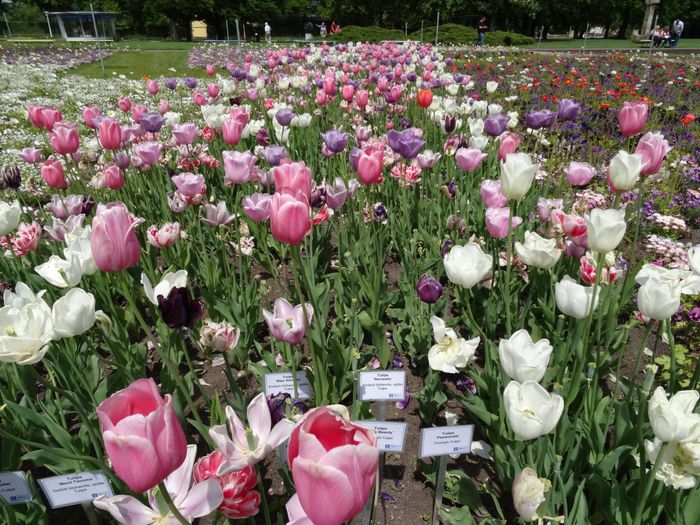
{"type": "Point", "coordinates": [479, 142]}
{"type": "Point", "coordinates": [624, 170]}
{"type": "Point", "coordinates": [680, 464]}
{"type": "Point", "coordinates": [25, 333]}
{"type": "Point", "coordinates": [301, 121]}
{"type": "Point", "coordinates": [495, 109]}
{"type": "Point", "coordinates": [22, 296]}
{"type": "Point", "coordinates": [531, 410]}
{"type": "Point", "coordinates": [450, 352]}
{"type": "Point", "coordinates": [688, 281]}
{"type": "Point", "coordinates": [10, 213]}
{"type": "Point", "coordinates": [537, 251]}
{"type": "Point", "coordinates": [517, 174]}
{"type": "Point", "coordinates": [169, 281]}
{"type": "Point", "coordinates": [61, 272]}
{"type": "Point", "coordinates": [673, 419]}
{"type": "Point", "coordinates": [694, 259]}
{"type": "Point", "coordinates": [214, 115]}
{"type": "Point", "coordinates": [476, 127]}
{"type": "Point", "coordinates": [467, 265]}
{"type": "Point", "coordinates": [73, 314]}
{"type": "Point", "coordinates": [658, 300]}
{"type": "Point", "coordinates": [523, 359]}
{"type": "Point", "coordinates": [606, 229]}
{"type": "Point", "coordinates": [491, 86]}
{"type": "Point", "coordinates": [529, 493]}
{"type": "Point", "coordinates": [573, 299]}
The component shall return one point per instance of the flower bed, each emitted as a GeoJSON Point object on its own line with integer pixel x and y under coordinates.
{"type": "Point", "coordinates": [513, 232]}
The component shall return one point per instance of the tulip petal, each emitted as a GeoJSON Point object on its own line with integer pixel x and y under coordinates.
{"type": "Point", "coordinates": [132, 460]}
{"type": "Point", "coordinates": [359, 463]}
{"type": "Point", "coordinates": [179, 481]}
{"type": "Point", "coordinates": [280, 433]}
{"type": "Point", "coordinates": [296, 513]}
{"type": "Point", "coordinates": [259, 417]}
{"type": "Point", "coordinates": [202, 499]}
{"type": "Point", "coordinates": [127, 510]}
{"type": "Point", "coordinates": [325, 493]}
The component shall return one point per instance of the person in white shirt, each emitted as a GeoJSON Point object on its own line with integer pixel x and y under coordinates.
{"type": "Point", "coordinates": [676, 30]}
{"type": "Point", "coordinates": [268, 33]}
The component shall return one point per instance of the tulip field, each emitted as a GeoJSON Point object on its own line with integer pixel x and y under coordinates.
{"type": "Point", "coordinates": [211, 278]}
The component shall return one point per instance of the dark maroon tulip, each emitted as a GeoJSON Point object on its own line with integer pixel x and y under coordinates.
{"type": "Point", "coordinates": [450, 123]}
{"type": "Point", "coordinates": [178, 310]}
{"type": "Point", "coordinates": [11, 178]}
{"type": "Point", "coordinates": [429, 289]}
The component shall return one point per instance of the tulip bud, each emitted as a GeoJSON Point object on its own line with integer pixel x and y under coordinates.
{"type": "Point", "coordinates": [529, 493]}
{"type": "Point", "coordinates": [429, 289]}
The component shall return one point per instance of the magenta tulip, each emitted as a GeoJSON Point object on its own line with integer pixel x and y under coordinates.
{"type": "Point", "coordinates": [295, 176]}
{"type": "Point", "coordinates": [290, 216]}
{"type": "Point", "coordinates": [370, 164]}
{"type": "Point", "coordinates": [52, 173]}
{"type": "Point", "coordinates": [49, 117]}
{"type": "Point", "coordinates": [238, 166]}
{"type": "Point", "coordinates": [334, 465]}
{"type": "Point", "coordinates": [109, 132]}
{"type": "Point", "coordinates": [653, 148]}
{"type": "Point", "coordinates": [347, 92]}
{"type": "Point", "coordinates": [497, 222]}
{"type": "Point", "coordinates": [34, 114]}
{"type": "Point", "coordinates": [90, 113]}
{"type": "Point", "coordinates": [632, 118]}
{"type": "Point", "coordinates": [114, 243]}
{"type": "Point", "coordinates": [143, 437]}
{"type": "Point", "coordinates": [468, 159]}
{"type": "Point", "coordinates": [64, 138]}
{"type": "Point", "coordinates": [152, 87]}
{"type": "Point", "coordinates": [114, 178]}
{"type": "Point", "coordinates": [362, 98]}
{"type": "Point", "coordinates": [579, 173]}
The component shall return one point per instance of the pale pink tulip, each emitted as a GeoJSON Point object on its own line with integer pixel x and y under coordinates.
{"type": "Point", "coordinates": [632, 118]}
{"type": "Point", "coordinates": [497, 222]}
{"type": "Point", "coordinates": [290, 216]}
{"type": "Point", "coordinates": [295, 176]}
{"type": "Point", "coordinates": [653, 148]}
{"type": "Point", "coordinates": [491, 194]}
{"type": "Point", "coordinates": [579, 173]}
{"type": "Point", "coordinates": [286, 322]}
{"type": "Point", "coordinates": [468, 159]}
{"type": "Point", "coordinates": [238, 166]}
{"type": "Point", "coordinates": [114, 243]}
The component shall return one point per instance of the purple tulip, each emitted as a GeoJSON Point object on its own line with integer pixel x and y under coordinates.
{"type": "Point", "coordinates": [284, 117]}
{"type": "Point", "coordinates": [170, 83]}
{"type": "Point", "coordinates": [495, 125]}
{"type": "Point", "coordinates": [335, 141]}
{"type": "Point", "coordinates": [30, 155]}
{"type": "Point", "coordinates": [429, 289]}
{"type": "Point", "coordinates": [568, 110]}
{"type": "Point", "coordinates": [122, 159]}
{"type": "Point", "coordinates": [218, 215]}
{"type": "Point", "coordinates": [353, 156]}
{"type": "Point", "coordinates": [64, 207]}
{"type": "Point", "coordinates": [337, 194]}
{"type": "Point", "coordinates": [152, 122]}
{"type": "Point", "coordinates": [190, 82]}
{"type": "Point", "coordinates": [257, 206]}
{"type": "Point", "coordinates": [274, 154]}
{"type": "Point", "coordinates": [450, 123]}
{"type": "Point", "coordinates": [405, 143]}
{"type": "Point", "coordinates": [540, 119]}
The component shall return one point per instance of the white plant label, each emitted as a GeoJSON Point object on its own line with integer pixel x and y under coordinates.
{"type": "Point", "coordinates": [382, 385]}
{"type": "Point", "coordinates": [391, 435]}
{"type": "Point", "coordinates": [14, 488]}
{"type": "Point", "coordinates": [74, 489]}
{"type": "Point", "coordinates": [441, 441]}
{"type": "Point", "coordinates": [283, 383]}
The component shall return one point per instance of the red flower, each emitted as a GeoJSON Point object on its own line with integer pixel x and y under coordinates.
{"type": "Point", "coordinates": [688, 119]}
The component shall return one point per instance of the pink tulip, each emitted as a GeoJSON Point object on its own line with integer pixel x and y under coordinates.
{"type": "Point", "coordinates": [238, 167]}
{"type": "Point", "coordinates": [198, 98]}
{"type": "Point", "coordinates": [334, 465]}
{"type": "Point", "coordinates": [30, 155]}
{"type": "Point", "coordinates": [321, 98]}
{"type": "Point", "coordinates": [653, 148]}
{"type": "Point", "coordinates": [491, 194]}
{"type": "Point", "coordinates": [90, 113]}
{"type": "Point", "coordinates": [370, 164]}
{"type": "Point", "coordinates": [632, 118]}
{"type": "Point", "coordinates": [143, 438]}
{"type": "Point", "coordinates": [49, 117]}
{"type": "Point", "coordinates": [257, 206]}
{"type": "Point", "coordinates": [163, 107]}
{"type": "Point", "coordinates": [286, 322]}
{"type": "Point", "coordinates": [137, 112]}
{"type": "Point", "coordinates": [34, 114]}
{"type": "Point", "coordinates": [190, 185]}
{"type": "Point", "coordinates": [148, 152]}
{"type": "Point", "coordinates": [329, 86]}
{"type": "Point", "coordinates": [290, 216]}
{"type": "Point", "coordinates": [52, 173]}
{"type": "Point", "coordinates": [211, 69]}
{"type": "Point", "coordinates": [213, 90]}
{"type": "Point", "coordinates": [245, 447]}
{"type": "Point", "coordinates": [546, 206]}
{"type": "Point", "coordinates": [240, 499]}
{"type": "Point", "coordinates": [165, 236]}
{"type": "Point", "coordinates": [347, 92]}
{"type": "Point", "coordinates": [64, 138]}
{"type": "Point", "coordinates": [184, 133]}
{"type": "Point", "coordinates": [294, 176]}
{"type": "Point", "coordinates": [114, 178]}
{"type": "Point", "coordinates": [383, 84]}
{"type": "Point", "coordinates": [296, 513]}
{"type": "Point", "coordinates": [152, 87]}
{"type": "Point", "coordinates": [509, 143]}
{"type": "Point", "coordinates": [109, 133]}
{"type": "Point", "coordinates": [232, 131]}
{"type": "Point", "coordinates": [573, 226]}
{"type": "Point", "coordinates": [497, 222]}
{"type": "Point", "coordinates": [124, 104]}
{"type": "Point", "coordinates": [579, 173]}
{"type": "Point", "coordinates": [114, 243]}
{"type": "Point", "coordinates": [468, 159]}
{"type": "Point", "coordinates": [252, 93]}
{"type": "Point", "coordinates": [362, 98]}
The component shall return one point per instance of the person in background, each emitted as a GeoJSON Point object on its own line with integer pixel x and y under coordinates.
{"type": "Point", "coordinates": [322, 27]}
{"type": "Point", "coordinates": [268, 33]}
{"type": "Point", "coordinates": [334, 28]}
{"type": "Point", "coordinates": [481, 32]}
{"type": "Point", "coordinates": [659, 36]}
{"type": "Point", "coordinates": [676, 30]}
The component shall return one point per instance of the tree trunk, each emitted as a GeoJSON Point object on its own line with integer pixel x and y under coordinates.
{"type": "Point", "coordinates": [625, 23]}
{"type": "Point", "coordinates": [172, 32]}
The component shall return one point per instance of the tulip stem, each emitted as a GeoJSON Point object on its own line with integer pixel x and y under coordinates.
{"type": "Point", "coordinates": [636, 363]}
{"type": "Point", "coordinates": [263, 497]}
{"type": "Point", "coordinates": [672, 354]}
{"type": "Point", "coordinates": [509, 257]}
{"type": "Point", "coordinates": [648, 481]}
{"type": "Point", "coordinates": [172, 369]}
{"type": "Point", "coordinates": [171, 505]}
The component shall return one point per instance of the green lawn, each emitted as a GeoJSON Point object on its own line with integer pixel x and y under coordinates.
{"type": "Point", "coordinates": [606, 43]}
{"type": "Point", "coordinates": [139, 64]}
